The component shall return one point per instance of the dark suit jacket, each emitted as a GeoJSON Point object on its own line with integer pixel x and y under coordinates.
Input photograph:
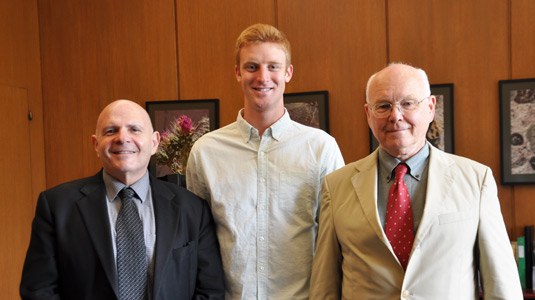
{"type": "Point", "coordinates": [71, 256]}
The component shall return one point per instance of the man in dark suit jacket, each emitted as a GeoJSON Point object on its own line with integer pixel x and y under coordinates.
{"type": "Point", "coordinates": [72, 252]}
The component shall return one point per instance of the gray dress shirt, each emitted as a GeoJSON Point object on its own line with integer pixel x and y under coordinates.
{"type": "Point", "coordinates": [415, 179]}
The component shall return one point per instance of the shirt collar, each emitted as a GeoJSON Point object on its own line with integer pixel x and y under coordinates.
{"type": "Point", "coordinates": [248, 132]}
{"type": "Point", "coordinates": [114, 186]}
{"type": "Point", "coordinates": [416, 163]}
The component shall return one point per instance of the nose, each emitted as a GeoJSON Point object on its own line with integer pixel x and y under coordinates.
{"type": "Point", "coordinates": [396, 113]}
{"type": "Point", "coordinates": [263, 74]}
{"type": "Point", "coordinates": [122, 136]}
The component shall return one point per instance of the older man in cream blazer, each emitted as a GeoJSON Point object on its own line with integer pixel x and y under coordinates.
{"type": "Point", "coordinates": [457, 218]}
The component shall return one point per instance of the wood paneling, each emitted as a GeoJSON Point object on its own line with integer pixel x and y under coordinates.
{"type": "Point", "coordinates": [94, 52]}
{"type": "Point", "coordinates": [337, 48]}
{"type": "Point", "coordinates": [523, 66]}
{"type": "Point", "coordinates": [22, 152]}
{"type": "Point", "coordinates": [207, 32]}
{"type": "Point", "coordinates": [464, 43]}
{"type": "Point", "coordinates": [16, 201]}
{"type": "Point", "coordinates": [19, 66]}
{"type": "Point", "coordinates": [522, 38]}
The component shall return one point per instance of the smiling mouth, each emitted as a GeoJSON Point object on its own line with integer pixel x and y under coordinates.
{"type": "Point", "coordinates": [262, 89]}
{"type": "Point", "coordinates": [124, 152]}
{"type": "Point", "coordinates": [394, 130]}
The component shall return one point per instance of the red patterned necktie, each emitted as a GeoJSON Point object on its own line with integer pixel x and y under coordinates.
{"type": "Point", "coordinates": [399, 227]}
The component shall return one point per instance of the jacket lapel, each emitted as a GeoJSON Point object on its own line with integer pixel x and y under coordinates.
{"type": "Point", "coordinates": [94, 212]}
{"type": "Point", "coordinates": [365, 185]}
{"type": "Point", "coordinates": [166, 214]}
{"type": "Point", "coordinates": [441, 177]}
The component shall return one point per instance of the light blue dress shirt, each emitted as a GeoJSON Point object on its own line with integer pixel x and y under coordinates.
{"type": "Point", "coordinates": [264, 194]}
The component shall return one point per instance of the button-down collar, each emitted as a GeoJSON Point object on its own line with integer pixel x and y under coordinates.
{"type": "Point", "coordinates": [276, 130]}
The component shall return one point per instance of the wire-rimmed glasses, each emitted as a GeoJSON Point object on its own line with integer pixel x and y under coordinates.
{"type": "Point", "coordinates": [382, 109]}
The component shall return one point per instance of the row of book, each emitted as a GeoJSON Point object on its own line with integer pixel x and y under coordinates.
{"type": "Point", "coordinates": [525, 257]}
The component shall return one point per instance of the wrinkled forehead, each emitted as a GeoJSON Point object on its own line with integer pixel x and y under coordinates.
{"type": "Point", "coordinates": [407, 85]}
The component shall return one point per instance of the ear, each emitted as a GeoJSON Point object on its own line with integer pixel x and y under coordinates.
{"type": "Point", "coordinates": [368, 114]}
{"type": "Point", "coordinates": [367, 110]}
{"type": "Point", "coordinates": [94, 140]}
{"type": "Point", "coordinates": [289, 73]}
{"type": "Point", "coordinates": [237, 73]}
{"type": "Point", "coordinates": [155, 141]}
{"type": "Point", "coordinates": [432, 104]}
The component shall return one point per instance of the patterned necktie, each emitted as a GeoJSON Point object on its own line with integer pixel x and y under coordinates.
{"type": "Point", "coordinates": [131, 253]}
{"type": "Point", "coordinates": [399, 227]}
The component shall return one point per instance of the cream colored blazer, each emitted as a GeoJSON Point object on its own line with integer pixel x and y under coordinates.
{"type": "Point", "coordinates": [461, 222]}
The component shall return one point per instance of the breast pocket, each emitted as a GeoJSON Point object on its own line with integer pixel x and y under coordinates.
{"type": "Point", "coordinates": [454, 217]}
{"type": "Point", "coordinates": [297, 192]}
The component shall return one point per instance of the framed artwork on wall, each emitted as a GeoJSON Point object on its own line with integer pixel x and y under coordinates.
{"type": "Point", "coordinates": [440, 132]}
{"type": "Point", "coordinates": [517, 131]}
{"type": "Point", "coordinates": [309, 108]}
{"type": "Point", "coordinates": [164, 114]}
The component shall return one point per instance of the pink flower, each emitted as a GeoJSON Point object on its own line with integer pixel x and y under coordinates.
{"type": "Point", "coordinates": [185, 124]}
{"type": "Point", "coordinates": [176, 142]}
{"type": "Point", "coordinates": [165, 134]}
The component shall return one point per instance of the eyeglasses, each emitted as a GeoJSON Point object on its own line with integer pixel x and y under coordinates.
{"type": "Point", "coordinates": [383, 109]}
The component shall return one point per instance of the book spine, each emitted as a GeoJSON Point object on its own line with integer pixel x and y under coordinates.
{"type": "Point", "coordinates": [528, 236]}
{"type": "Point", "coordinates": [521, 252]}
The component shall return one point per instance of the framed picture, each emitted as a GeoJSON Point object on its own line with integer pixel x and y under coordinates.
{"type": "Point", "coordinates": [310, 108]}
{"type": "Point", "coordinates": [517, 131]}
{"type": "Point", "coordinates": [164, 113]}
{"type": "Point", "coordinates": [440, 132]}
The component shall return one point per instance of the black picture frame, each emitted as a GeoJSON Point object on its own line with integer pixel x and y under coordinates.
{"type": "Point", "coordinates": [162, 113]}
{"type": "Point", "coordinates": [309, 108]}
{"type": "Point", "coordinates": [440, 132]}
{"type": "Point", "coordinates": [517, 131]}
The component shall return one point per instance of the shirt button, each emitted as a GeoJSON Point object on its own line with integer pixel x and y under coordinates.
{"type": "Point", "coordinates": [262, 268]}
{"type": "Point", "coordinates": [405, 294]}
{"type": "Point", "coordinates": [261, 238]}
{"type": "Point", "coordinates": [262, 180]}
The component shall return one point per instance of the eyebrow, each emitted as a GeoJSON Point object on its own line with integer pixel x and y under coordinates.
{"type": "Point", "coordinates": [129, 126]}
{"type": "Point", "coordinates": [258, 63]}
{"type": "Point", "coordinates": [407, 97]}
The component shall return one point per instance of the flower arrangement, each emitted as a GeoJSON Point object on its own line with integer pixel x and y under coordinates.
{"type": "Point", "coordinates": [177, 141]}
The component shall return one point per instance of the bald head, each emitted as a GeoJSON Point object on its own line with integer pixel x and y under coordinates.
{"type": "Point", "coordinates": [395, 71]}
{"type": "Point", "coordinates": [125, 140]}
{"type": "Point", "coordinates": [401, 132]}
{"type": "Point", "coordinates": [125, 106]}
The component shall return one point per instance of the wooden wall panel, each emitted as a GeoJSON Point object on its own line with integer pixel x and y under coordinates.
{"type": "Point", "coordinates": [207, 32]}
{"type": "Point", "coordinates": [16, 201]}
{"type": "Point", "coordinates": [337, 47]}
{"type": "Point", "coordinates": [94, 52]}
{"type": "Point", "coordinates": [523, 66]}
{"type": "Point", "coordinates": [22, 152]}
{"type": "Point", "coordinates": [20, 67]}
{"type": "Point", "coordinates": [465, 43]}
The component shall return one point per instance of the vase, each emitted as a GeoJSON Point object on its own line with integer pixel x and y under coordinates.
{"type": "Point", "coordinates": [177, 179]}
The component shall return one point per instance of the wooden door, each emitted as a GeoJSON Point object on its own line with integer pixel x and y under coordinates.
{"type": "Point", "coordinates": [16, 203]}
